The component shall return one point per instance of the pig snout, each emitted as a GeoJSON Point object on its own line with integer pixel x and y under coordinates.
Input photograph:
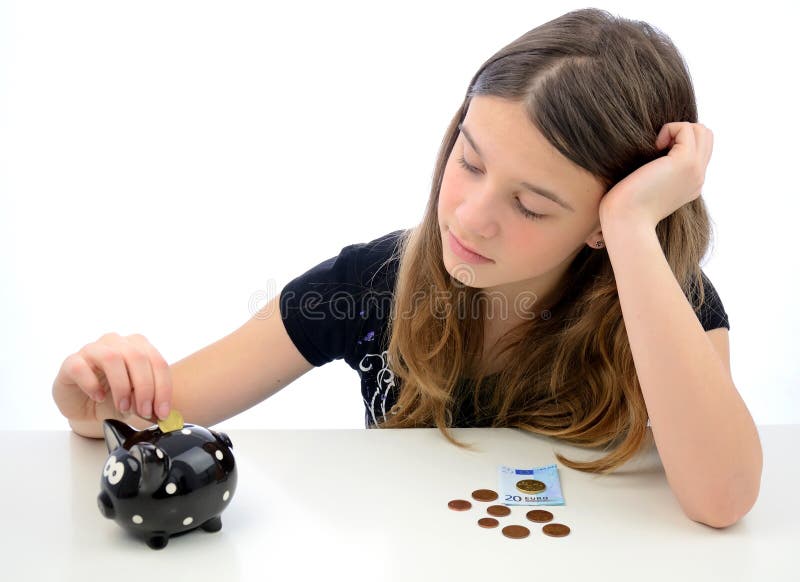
{"type": "Point", "coordinates": [105, 505]}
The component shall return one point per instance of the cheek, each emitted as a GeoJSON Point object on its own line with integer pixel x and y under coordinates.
{"type": "Point", "coordinates": [450, 193]}
{"type": "Point", "coordinates": [541, 251]}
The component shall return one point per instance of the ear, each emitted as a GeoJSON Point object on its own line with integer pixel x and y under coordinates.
{"type": "Point", "coordinates": [155, 465]}
{"type": "Point", "coordinates": [116, 433]}
{"type": "Point", "coordinates": [222, 437]}
{"type": "Point", "coordinates": [594, 236]}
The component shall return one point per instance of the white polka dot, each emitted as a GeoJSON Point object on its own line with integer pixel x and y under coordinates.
{"type": "Point", "coordinates": [171, 488]}
{"type": "Point", "coordinates": [186, 431]}
{"type": "Point", "coordinates": [188, 520]}
{"type": "Point", "coordinates": [226, 495]}
{"type": "Point", "coordinates": [159, 454]}
{"type": "Point", "coordinates": [137, 519]}
{"type": "Point", "coordinates": [116, 471]}
{"type": "Point", "coordinates": [219, 455]}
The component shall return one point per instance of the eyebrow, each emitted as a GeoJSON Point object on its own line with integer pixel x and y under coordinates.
{"type": "Point", "coordinates": [535, 189]}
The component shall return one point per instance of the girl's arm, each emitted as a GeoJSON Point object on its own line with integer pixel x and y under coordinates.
{"type": "Point", "coordinates": [227, 377]}
{"type": "Point", "coordinates": [706, 437]}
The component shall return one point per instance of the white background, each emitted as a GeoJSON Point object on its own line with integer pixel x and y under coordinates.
{"type": "Point", "coordinates": [163, 163]}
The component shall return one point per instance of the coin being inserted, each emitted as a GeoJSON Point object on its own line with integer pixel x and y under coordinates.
{"type": "Point", "coordinates": [516, 531]}
{"type": "Point", "coordinates": [556, 530]}
{"type": "Point", "coordinates": [459, 504]}
{"type": "Point", "coordinates": [484, 495]}
{"type": "Point", "coordinates": [173, 422]}
{"type": "Point", "coordinates": [530, 486]}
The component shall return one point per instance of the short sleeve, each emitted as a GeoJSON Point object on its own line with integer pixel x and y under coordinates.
{"type": "Point", "coordinates": [318, 307]}
{"type": "Point", "coordinates": [711, 313]}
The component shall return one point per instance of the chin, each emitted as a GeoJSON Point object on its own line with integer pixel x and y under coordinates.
{"type": "Point", "coordinates": [464, 274]}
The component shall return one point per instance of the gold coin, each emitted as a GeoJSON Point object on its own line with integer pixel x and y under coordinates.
{"type": "Point", "coordinates": [173, 422]}
{"type": "Point", "coordinates": [530, 486]}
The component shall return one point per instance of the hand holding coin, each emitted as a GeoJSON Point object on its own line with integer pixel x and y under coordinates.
{"type": "Point", "coordinates": [113, 377]}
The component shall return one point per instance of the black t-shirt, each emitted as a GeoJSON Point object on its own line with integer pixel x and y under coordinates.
{"type": "Point", "coordinates": [340, 309]}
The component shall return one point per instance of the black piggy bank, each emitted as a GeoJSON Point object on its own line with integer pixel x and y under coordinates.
{"type": "Point", "coordinates": [158, 484]}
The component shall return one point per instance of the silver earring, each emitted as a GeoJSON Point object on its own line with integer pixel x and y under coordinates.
{"type": "Point", "coordinates": [598, 244]}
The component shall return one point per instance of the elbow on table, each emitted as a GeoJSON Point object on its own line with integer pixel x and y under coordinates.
{"type": "Point", "coordinates": [718, 522]}
{"type": "Point", "coordinates": [723, 517]}
{"type": "Point", "coordinates": [728, 502]}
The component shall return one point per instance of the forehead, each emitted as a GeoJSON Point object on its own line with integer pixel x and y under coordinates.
{"type": "Point", "coordinates": [503, 128]}
{"type": "Point", "coordinates": [507, 138]}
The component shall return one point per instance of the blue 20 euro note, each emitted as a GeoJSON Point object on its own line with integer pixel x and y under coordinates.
{"type": "Point", "coordinates": [515, 482]}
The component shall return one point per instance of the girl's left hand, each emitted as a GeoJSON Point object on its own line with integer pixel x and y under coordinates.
{"type": "Point", "coordinates": [661, 186]}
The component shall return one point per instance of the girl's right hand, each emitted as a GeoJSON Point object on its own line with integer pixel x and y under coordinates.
{"type": "Point", "coordinates": [129, 368]}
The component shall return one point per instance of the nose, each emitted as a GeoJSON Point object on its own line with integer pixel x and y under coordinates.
{"type": "Point", "coordinates": [105, 505]}
{"type": "Point", "coordinates": [477, 213]}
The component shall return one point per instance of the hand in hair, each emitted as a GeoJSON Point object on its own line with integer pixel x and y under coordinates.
{"type": "Point", "coordinates": [660, 187]}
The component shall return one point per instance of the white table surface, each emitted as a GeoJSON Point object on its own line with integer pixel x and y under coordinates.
{"type": "Point", "coordinates": [372, 505]}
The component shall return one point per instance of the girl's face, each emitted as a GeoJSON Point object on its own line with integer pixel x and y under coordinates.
{"type": "Point", "coordinates": [490, 210]}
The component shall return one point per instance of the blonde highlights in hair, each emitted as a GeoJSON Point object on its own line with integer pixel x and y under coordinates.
{"type": "Point", "coordinates": [599, 88]}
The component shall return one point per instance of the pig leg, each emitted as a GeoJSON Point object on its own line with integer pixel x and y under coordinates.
{"type": "Point", "coordinates": [157, 542]}
{"type": "Point", "coordinates": [213, 524]}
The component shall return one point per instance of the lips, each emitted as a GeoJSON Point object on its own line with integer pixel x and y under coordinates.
{"type": "Point", "coordinates": [468, 248]}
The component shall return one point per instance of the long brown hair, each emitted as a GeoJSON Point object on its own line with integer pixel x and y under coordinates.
{"type": "Point", "coordinates": [599, 87]}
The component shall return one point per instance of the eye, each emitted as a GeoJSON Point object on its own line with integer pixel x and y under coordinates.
{"type": "Point", "coordinates": [466, 166]}
{"type": "Point", "coordinates": [114, 470]}
{"type": "Point", "coordinates": [527, 213]}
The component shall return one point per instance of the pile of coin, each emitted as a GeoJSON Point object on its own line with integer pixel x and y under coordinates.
{"type": "Point", "coordinates": [557, 530]}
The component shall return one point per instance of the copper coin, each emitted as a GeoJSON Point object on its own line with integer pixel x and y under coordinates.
{"type": "Point", "coordinates": [488, 522]}
{"type": "Point", "coordinates": [516, 531]}
{"type": "Point", "coordinates": [557, 530]}
{"type": "Point", "coordinates": [484, 495]}
{"type": "Point", "coordinates": [539, 515]}
{"type": "Point", "coordinates": [459, 504]}
{"type": "Point", "coordinates": [530, 486]}
{"type": "Point", "coordinates": [498, 510]}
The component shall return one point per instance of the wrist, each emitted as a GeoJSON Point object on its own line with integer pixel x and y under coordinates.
{"type": "Point", "coordinates": [614, 222]}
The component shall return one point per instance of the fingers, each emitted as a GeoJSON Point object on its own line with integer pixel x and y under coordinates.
{"type": "Point", "coordinates": [676, 134]}
{"type": "Point", "coordinates": [703, 140]}
{"type": "Point", "coordinates": [77, 368]}
{"type": "Point", "coordinates": [705, 143]}
{"type": "Point", "coordinates": [141, 376]}
{"type": "Point", "coordinates": [108, 367]}
{"type": "Point", "coordinates": [691, 142]}
{"type": "Point", "coordinates": [131, 369]}
{"type": "Point", "coordinates": [162, 377]}
{"type": "Point", "coordinates": [663, 139]}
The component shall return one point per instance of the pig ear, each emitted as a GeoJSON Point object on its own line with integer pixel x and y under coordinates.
{"type": "Point", "coordinates": [116, 433]}
{"type": "Point", "coordinates": [222, 437]}
{"type": "Point", "coordinates": [154, 464]}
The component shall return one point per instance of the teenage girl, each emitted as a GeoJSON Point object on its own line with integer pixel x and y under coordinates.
{"type": "Point", "coordinates": [568, 191]}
